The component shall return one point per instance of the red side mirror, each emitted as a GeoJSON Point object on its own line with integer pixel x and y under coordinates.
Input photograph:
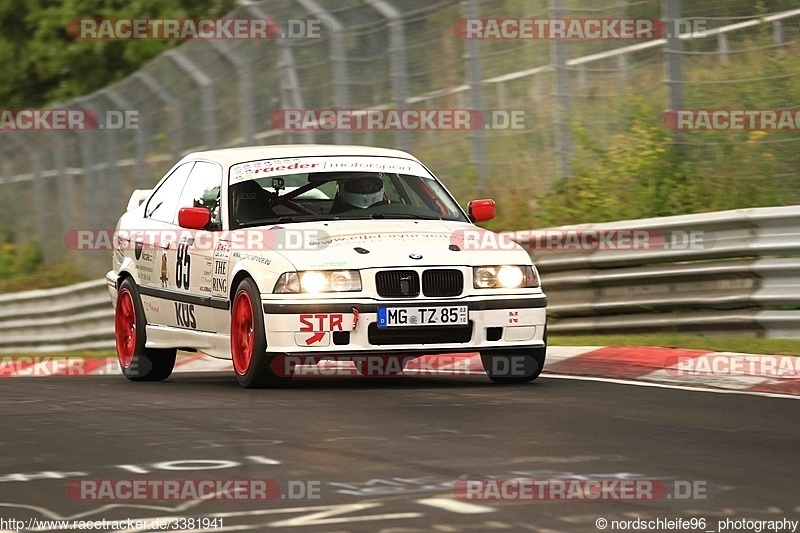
{"type": "Point", "coordinates": [194, 217]}
{"type": "Point", "coordinates": [481, 210]}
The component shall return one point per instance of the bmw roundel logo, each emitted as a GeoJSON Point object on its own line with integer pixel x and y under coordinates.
{"type": "Point", "coordinates": [415, 256]}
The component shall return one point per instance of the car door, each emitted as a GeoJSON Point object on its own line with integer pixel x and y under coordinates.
{"type": "Point", "coordinates": [193, 259]}
{"type": "Point", "coordinates": [152, 245]}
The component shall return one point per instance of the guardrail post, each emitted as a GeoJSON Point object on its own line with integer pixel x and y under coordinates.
{"type": "Point", "coordinates": [245, 87]}
{"type": "Point", "coordinates": [398, 65]}
{"type": "Point", "coordinates": [206, 93]}
{"type": "Point", "coordinates": [173, 108]}
{"type": "Point", "coordinates": [338, 58]}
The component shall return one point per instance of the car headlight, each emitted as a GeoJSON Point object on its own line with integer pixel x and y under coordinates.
{"type": "Point", "coordinates": [505, 277]}
{"type": "Point", "coordinates": [315, 281]}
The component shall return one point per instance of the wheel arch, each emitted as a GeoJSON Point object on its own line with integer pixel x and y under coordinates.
{"type": "Point", "coordinates": [237, 279]}
{"type": "Point", "coordinates": [122, 275]}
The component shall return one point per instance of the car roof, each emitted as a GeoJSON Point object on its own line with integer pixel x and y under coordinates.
{"type": "Point", "coordinates": [232, 156]}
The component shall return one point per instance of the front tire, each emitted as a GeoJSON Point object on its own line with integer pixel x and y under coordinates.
{"type": "Point", "coordinates": [251, 363]}
{"type": "Point", "coordinates": [515, 366]}
{"type": "Point", "coordinates": [138, 362]}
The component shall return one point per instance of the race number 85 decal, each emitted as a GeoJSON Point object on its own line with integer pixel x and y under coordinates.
{"type": "Point", "coordinates": [182, 267]}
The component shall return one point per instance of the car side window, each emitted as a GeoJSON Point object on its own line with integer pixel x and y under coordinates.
{"type": "Point", "coordinates": [202, 190]}
{"type": "Point", "coordinates": [162, 204]}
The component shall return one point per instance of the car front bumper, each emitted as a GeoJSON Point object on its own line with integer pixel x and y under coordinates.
{"type": "Point", "coordinates": [336, 327]}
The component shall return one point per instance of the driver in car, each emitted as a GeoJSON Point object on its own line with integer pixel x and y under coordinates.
{"type": "Point", "coordinates": [358, 193]}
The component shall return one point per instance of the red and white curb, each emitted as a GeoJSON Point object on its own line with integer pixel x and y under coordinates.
{"type": "Point", "coordinates": [694, 368]}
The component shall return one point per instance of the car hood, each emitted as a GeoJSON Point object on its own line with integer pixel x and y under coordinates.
{"type": "Point", "coordinates": [396, 243]}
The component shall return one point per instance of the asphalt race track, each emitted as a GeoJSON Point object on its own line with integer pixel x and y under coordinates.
{"type": "Point", "coordinates": [385, 454]}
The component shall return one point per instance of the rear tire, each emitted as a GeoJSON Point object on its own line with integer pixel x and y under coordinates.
{"type": "Point", "coordinates": [138, 362]}
{"type": "Point", "coordinates": [516, 366]}
{"type": "Point", "coordinates": [251, 363]}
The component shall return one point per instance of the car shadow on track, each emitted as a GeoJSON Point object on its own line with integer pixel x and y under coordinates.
{"type": "Point", "coordinates": [226, 381]}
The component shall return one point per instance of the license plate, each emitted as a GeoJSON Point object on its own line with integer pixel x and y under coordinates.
{"type": "Point", "coordinates": [423, 316]}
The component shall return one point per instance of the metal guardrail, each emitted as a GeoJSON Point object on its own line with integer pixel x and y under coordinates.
{"type": "Point", "coordinates": [78, 317]}
{"type": "Point", "coordinates": [742, 277]}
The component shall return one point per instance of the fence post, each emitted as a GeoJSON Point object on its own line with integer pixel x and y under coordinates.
{"type": "Point", "coordinates": [472, 48]}
{"type": "Point", "coordinates": [206, 92]}
{"type": "Point", "coordinates": [561, 94]}
{"type": "Point", "coordinates": [671, 14]}
{"type": "Point", "coordinates": [723, 47]}
{"type": "Point", "coordinates": [140, 133]}
{"type": "Point", "coordinates": [173, 108]}
{"type": "Point", "coordinates": [291, 95]}
{"type": "Point", "coordinates": [777, 32]}
{"type": "Point", "coordinates": [67, 203]}
{"type": "Point", "coordinates": [38, 186]}
{"type": "Point", "coordinates": [397, 57]}
{"type": "Point", "coordinates": [245, 87]}
{"type": "Point", "coordinates": [338, 58]}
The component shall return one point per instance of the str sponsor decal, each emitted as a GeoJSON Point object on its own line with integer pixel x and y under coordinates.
{"type": "Point", "coordinates": [321, 322]}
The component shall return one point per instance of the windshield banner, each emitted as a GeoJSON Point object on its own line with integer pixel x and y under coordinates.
{"type": "Point", "coordinates": [302, 165]}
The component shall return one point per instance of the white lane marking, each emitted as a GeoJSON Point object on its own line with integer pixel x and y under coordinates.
{"type": "Point", "coordinates": [668, 386]}
{"type": "Point", "coordinates": [455, 506]}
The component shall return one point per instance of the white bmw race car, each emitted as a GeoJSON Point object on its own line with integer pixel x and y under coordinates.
{"type": "Point", "coordinates": [281, 256]}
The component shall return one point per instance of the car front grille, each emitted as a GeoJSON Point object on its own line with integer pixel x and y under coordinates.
{"type": "Point", "coordinates": [397, 283]}
{"type": "Point", "coordinates": [440, 283]}
{"type": "Point", "coordinates": [419, 335]}
{"type": "Point", "coordinates": [436, 283]}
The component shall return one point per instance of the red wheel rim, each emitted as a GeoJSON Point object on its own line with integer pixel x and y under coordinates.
{"type": "Point", "coordinates": [125, 328]}
{"type": "Point", "coordinates": [242, 336]}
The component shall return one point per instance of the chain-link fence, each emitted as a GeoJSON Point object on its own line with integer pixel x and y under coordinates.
{"type": "Point", "coordinates": [394, 54]}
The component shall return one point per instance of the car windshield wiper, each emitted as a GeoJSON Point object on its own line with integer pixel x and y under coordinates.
{"type": "Point", "coordinates": [305, 218]}
{"type": "Point", "coordinates": [286, 220]}
{"type": "Point", "coordinates": [401, 215]}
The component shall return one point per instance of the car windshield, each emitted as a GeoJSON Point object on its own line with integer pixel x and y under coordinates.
{"type": "Point", "coordinates": [334, 195]}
